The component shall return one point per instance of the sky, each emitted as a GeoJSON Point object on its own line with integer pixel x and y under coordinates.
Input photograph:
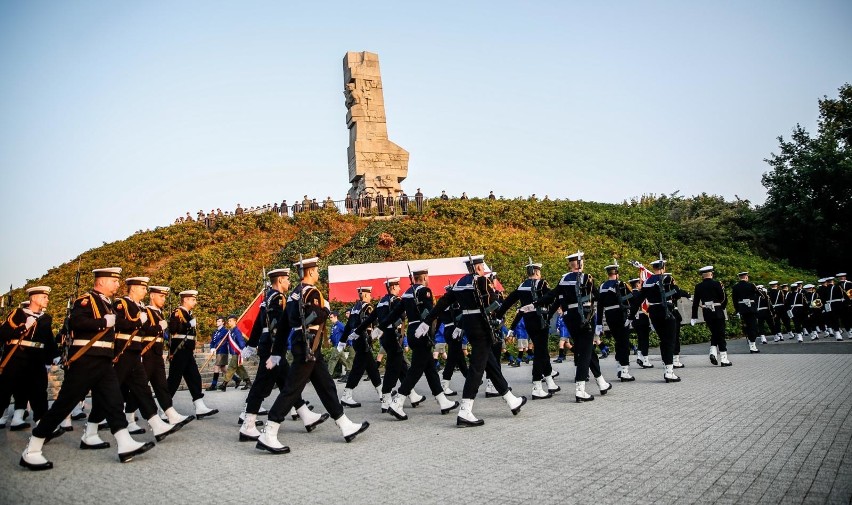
{"type": "Point", "coordinates": [121, 116]}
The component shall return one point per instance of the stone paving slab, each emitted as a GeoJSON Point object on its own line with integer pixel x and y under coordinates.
{"type": "Point", "coordinates": [774, 428]}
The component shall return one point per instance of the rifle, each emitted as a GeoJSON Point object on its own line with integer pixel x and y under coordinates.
{"type": "Point", "coordinates": [305, 320]}
{"type": "Point", "coordinates": [581, 300]}
{"type": "Point", "coordinates": [66, 336]}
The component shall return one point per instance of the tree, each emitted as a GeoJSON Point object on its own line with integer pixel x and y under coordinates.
{"type": "Point", "coordinates": [808, 208]}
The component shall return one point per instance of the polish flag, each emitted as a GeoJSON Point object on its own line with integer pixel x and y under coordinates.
{"type": "Point", "coordinates": [344, 280]}
{"type": "Point", "coordinates": [246, 320]}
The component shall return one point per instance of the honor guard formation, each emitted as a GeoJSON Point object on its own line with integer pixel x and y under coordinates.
{"type": "Point", "coordinates": [116, 348]}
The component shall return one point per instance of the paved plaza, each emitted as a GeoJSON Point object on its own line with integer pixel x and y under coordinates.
{"type": "Point", "coordinates": [774, 428]}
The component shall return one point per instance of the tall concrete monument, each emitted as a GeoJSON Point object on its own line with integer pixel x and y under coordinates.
{"type": "Point", "coordinates": [376, 165]}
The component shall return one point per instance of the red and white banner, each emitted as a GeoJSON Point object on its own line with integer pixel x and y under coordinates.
{"type": "Point", "coordinates": [247, 318]}
{"type": "Point", "coordinates": [344, 280]}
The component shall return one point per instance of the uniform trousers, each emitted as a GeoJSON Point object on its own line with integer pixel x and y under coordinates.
{"type": "Point", "coordinates": [89, 373]}
{"type": "Point", "coordinates": [750, 326]}
{"type": "Point", "coordinates": [717, 333]}
{"type": "Point", "coordinates": [265, 380]}
{"type": "Point", "coordinates": [155, 370]}
{"type": "Point", "coordinates": [422, 363]}
{"type": "Point", "coordinates": [183, 366]}
{"type": "Point", "coordinates": [363, 362]}
{"type": "Point", "coordinates": [395, 360]}
{"type": "Point", "coordinates": [25, 377]}
{"type": "Point", "coordinates": [800, 320]}
{"type": "Point", "coordinates": [134, 383]}
{"type": "Point", "coordinates": [455, 358]}
{"type": "Point", "coordinates": [642, 327]}
{"type": "Point", "coordinates": [584, 356]}
{"type": "Point", "coordinates": [665, 328]}
{"type": "Point", "coordinates": [482, 361]}
{"type": "Point", "coordinates": [301, 372]}
{"type": "Point", "coordinates": [622, 342]}
{"type": "Point", "coordinates": [832, 319]}
{"type": "Point", "coordinates": [541, 358]}
{"type": "Point", "coordinates": [783, 318]}
{"type": "Point", "coordinates": [764, 317]}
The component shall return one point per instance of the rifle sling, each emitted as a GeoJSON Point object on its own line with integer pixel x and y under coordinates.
{"type": "Point", "coordinates": [86, 347]}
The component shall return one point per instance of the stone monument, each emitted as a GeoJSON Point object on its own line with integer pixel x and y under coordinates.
{"type": "Point", "coordinates": [376, 165]}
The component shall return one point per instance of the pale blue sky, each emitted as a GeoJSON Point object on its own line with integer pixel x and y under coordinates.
{"type": "Point", "coordinates": [119, 116]}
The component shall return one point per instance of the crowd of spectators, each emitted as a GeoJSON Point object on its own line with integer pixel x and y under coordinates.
{"type": "Point", "coordinates": [365, 204]}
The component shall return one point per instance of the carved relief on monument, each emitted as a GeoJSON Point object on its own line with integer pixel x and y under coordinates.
{"type": "Point", "coordinates": [376, 165]}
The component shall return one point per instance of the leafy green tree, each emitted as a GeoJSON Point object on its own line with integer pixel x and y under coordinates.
{"type": "Point", "coordinates": [808, 207]}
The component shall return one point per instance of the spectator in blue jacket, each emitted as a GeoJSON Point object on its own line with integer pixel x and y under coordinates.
{"type": "Point", "coordinates": [235, 343]}
{"type": "Point", "coordinates": [219, 350]}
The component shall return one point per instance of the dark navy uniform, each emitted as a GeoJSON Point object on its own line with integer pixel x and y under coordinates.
{"type": "Point", "coordinates": [417, 301]}
{"type": "Point", "coordinates": [269, 335]}
{"type": "Point", "coordinates": [658, 291]}
{"type": "Point", "coordinates": [25, 354]}
{"type": "Point", "coordinates": [833, 304]}
{"type": "Point", "coordinates": [797, 310]}
{"type": "Point", "coordinates": [455, 354]}
{"type": "Point", "coordinates": [535, 322]}
{"type": "Point", "coordinates": [710, 297]}
{"type": "Point", "coordinates": [614, 309]}
{"type": "Point", "coordinates": [390, 340]}
{"type": "Point", "coordinates": [766, 314]}
{"type": "Point", "coordinates": [576, 294]}
{"type": "Point", "coordinates": [91, 371]}
{"type": "Point", "coordinates": [641, 324]}
{"type": "Point", "coordinates": [776, 300]}
{"type": "Point", "coordinates": [363, 346]}
{"type": "Point", "coordinates": [152, 356]}
{"type": "Point", "coordinates": [303, 369]}
{"type": "Point", "coordinates": [182, 365]}
{"type": "Point", "coordinates": [744, 296]}
{"type": "Point", "coordinates": [128, 359]}
{"type": "Point", "coordinates": [466, 293]}
{"type": "Point", "coordinates": [814, 318]}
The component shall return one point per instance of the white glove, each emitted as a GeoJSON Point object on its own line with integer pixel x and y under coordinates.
{"type": "Point", "coordinates": [510, 334]}
{"type": "Point", "coordinates": [110, 320]}
{"type": "Point", "coordinates": [57, 360]}
{"type": "Point", "coordinates": [143, 317]}
{"type": "Point", "coordinates": [192, 322]}
{"type": "Point", "coordinates": [29, 322]}
{"type": "Point", "coordinates": [273, 362]}
{"type": "Point", "coordinates": [248, 352]}
{"type": "Point", "coordinates": [457, 333]}
{"type": "Point", "coordinates": [628, 324]}
{"type": "Point", "coordinates": [693, 321]}
{"type": "Point", "coordinates": [212, 351]}
{"type": "Point", "coordinates": [421, 330]}
{"type": "Point", "coordinates": [598, 330]}
{"type": "Point", "coordinates": [341, 346]}
{"type": "Point", "coordinates": [164, 324]}
{"type": "Point", "coordinates": [739, 316]}
{"type": "Point", "coordinates": [528, 308]}
{"type": "Point", "coordinates": [376, 333]}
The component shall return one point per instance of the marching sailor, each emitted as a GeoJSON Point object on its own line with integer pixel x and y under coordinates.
{"type": "Point", "coordinates": [834, 302]}
{"type": "Point", "coordinates": [614, 309]}
{"type": "Point", "coordinates": [658, 290]}
{"type": "Point", "coordinates": [710, 296]}
{"type": "Point", "coordinates": [475, 295]}
{"type": "Point", "coordinates": [362, 344]}
{"type": "Point", "coordinates": [306, 312]}
{"type": "Point", "coordinates": [576, 294]}
{"type": "Point", "coordinates": [536, 326]}
{"type": "Point", "coordinates": [745, 296]}
{"type": "Point", "coordinates": [182, 365]}
{"type": "Point", "coordinates": [26, 337]}
{"type": "Point", "coordinates": [416, 303]}
{"type": "Point", "coordinates": [89, 368]}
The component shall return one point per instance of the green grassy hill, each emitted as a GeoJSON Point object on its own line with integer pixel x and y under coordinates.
{"type": "Point", "coordinates": [225, 262]}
